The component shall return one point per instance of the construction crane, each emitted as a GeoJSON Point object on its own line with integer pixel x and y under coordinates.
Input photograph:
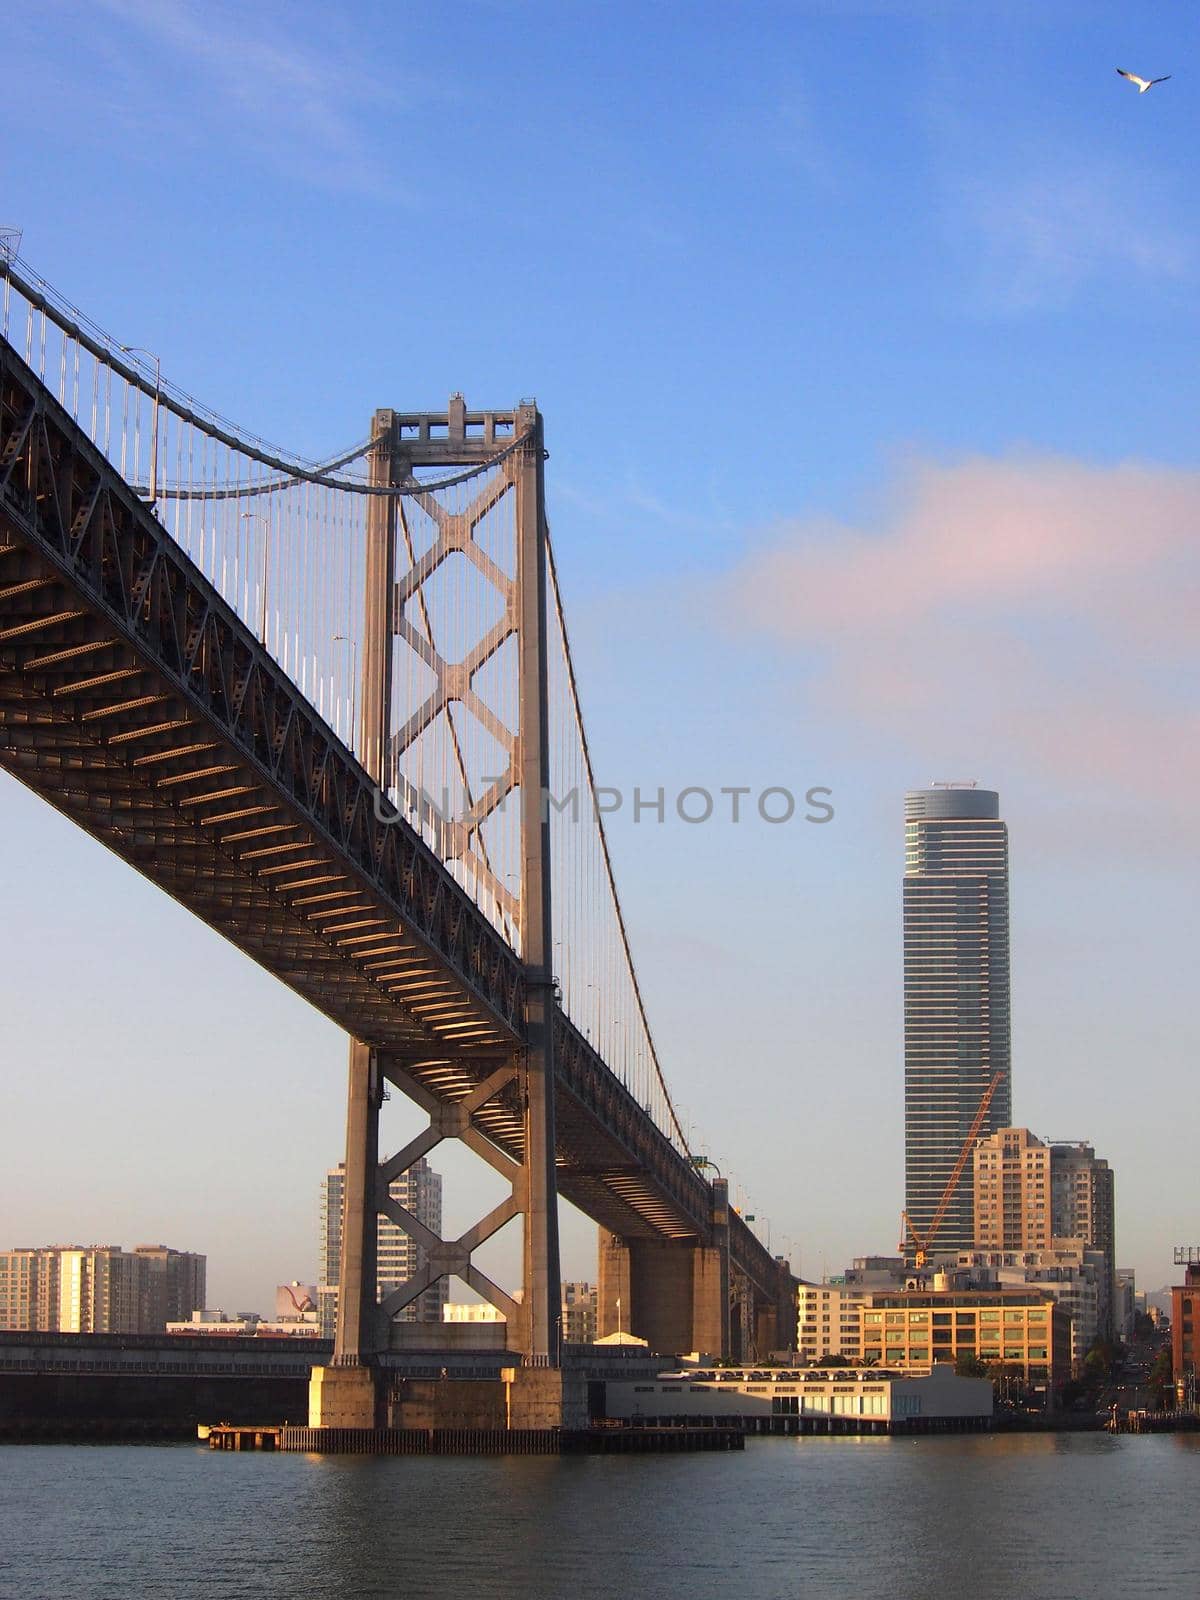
{"type": "Point", "coordinates": [924, 1244]}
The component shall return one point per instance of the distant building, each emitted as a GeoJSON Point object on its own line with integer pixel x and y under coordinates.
{"type": "Point", "coordinates": [216, 1324]}
{"type": "Point", "coordinates": [956, 994]}
{"type": "Point", "coordinates": [399, 1257]}
{"type": "Point", "coordinates": [98, 1288]}
{"type": "Point", "coordinates": [1069, 1271]}
{"type": "Point", "coordinates": [828, 1320]}
{"type": "Point", "coordinates": [295, 1299]}
{"type": "Point", "coordinates": [470, 1311]}
{"type": "Point", "coordinates": [29, 1290]}
{"type": "Point", "coordinates": [579, 1313]}
{"type": "Point", "coordinates": [175, 1284]}
{"type": "Point", "coordinates": [1083, 1206]}
{"type": "Point", "coordinates": [1125, 1303]}
{"type": "Point", "coordinates": [875, 1272]}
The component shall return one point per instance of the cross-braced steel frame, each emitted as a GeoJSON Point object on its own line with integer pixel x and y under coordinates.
{"type": "Point", "coordinates": [525, 1079]}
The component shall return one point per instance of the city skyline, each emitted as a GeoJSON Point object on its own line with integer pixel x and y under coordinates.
{"type": "Point", "coordinates": [750, 604]}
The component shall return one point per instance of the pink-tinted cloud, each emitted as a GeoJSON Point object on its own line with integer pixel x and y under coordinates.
{"type": "Point", "coordinates": [1031, 614]}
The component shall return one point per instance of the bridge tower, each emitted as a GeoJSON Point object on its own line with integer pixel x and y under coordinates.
{"type": "Point", "coordinates": [350, 1393]}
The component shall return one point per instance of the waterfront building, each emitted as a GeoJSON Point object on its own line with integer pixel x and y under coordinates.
{"type": "Point", "coordinates": [1185, 1317]}
{"type": "Point", "coordinates": [1011, 1327]}
{"type": "Point", "coordinates": [956, 994]}
{"type": "Point", "coordinates": [842, 1399]}
{"type": "Point", "coordinates": [1083, 1206]}
{"type": "Point", "coordinates": [398, 1258]}
{"type": "Point", "coordinates": [98, 1288]}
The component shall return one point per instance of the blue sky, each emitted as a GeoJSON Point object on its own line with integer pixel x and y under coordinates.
{"type": "Point", "coordinates": [865, 339]}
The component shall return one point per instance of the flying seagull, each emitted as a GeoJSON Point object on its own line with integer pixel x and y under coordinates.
{"type": "Point", "coordinates": [1142, 83]}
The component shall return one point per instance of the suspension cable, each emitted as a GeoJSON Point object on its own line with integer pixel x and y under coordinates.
{"type": "Point", "coordinates": [552, 570]}
{"type": "Point", "coordinates": [71, 321]}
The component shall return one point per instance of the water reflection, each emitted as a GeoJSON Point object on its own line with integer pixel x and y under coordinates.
{"type": "Point", "coordinates": [1034, 1516]}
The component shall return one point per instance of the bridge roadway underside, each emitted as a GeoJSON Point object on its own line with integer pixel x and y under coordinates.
{"type": "Point", "coordinates": [135, 701]}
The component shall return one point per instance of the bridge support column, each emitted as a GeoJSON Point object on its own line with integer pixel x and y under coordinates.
{"type": "Point", "coordinates": [347, 1394]}
{"type": "Point", "coordinates": [543, 1306]}
{"type": "Point", "coordinates": [674, 1294]}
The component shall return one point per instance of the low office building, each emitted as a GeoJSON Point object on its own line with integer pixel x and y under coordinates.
{"type": "Point", "coordinates": [838, 1400]}
{"type": "Point", "coordinates": [1016, 1328]}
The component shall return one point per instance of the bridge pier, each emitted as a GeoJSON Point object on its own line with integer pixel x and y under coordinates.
{"type": "Point", "coordinates": [674, 1294]}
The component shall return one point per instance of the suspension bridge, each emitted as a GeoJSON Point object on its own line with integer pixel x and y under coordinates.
{"type": "Point", "coordinates": [330, 707]}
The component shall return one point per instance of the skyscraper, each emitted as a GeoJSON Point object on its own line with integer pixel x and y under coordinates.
{"type": "Point", "coordinates": [956, 994]}
{"type": "Point", "coordinates": [399, 1258]}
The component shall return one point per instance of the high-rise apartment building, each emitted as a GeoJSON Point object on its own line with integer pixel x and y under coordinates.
{"type": "Point", "coordinates": [1030, 1195]}
{"type": "Point", "coordinates": [956, 994]}
{"type": "Point", "coordinates": [99, 1288]}
{"type": "Point", "coordinates": [1083, 1206]}
{"type": "Point", "coordinates": [28, 1290]}
{"type": "Point", "coordinates": [1012, 1191]}
{"type": "Point", "coordinates": [174, 1284]}
{"type": "Point", "coordinates": [399, 1257]}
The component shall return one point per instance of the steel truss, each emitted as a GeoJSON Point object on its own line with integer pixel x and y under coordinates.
{"type": "Point", "coordinates": [134, 700]}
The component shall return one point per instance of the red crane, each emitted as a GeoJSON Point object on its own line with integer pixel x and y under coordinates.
{"type": "Point", "coordinates": [924, 1244]}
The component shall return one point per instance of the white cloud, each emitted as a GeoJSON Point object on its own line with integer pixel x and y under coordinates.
{"type": "Point", "coordinates": [295, 104]}
{"type": "Point", "coordinates": [1030, 614]}
{"type": "Point", "coordinates": [1045, 233]}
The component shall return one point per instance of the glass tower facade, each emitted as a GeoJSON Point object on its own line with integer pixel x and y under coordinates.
{"type": "Point", "coordinates": [956, 995]}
